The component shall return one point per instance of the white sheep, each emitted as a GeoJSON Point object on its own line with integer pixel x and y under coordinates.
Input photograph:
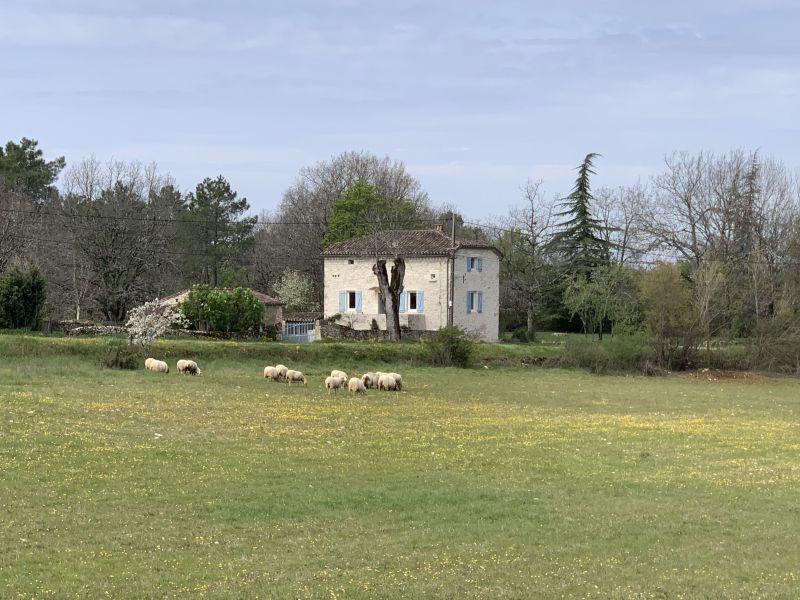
{"type": "Point", "coordinates": [332, 384]}
{"type": "Point", "coordinates": [355, 385]}
{"type": "Point", "coordinates": [370, 380]}
{"type": "Point", "coordinates": [398, 380]}
{"type": "Point", "coordinates": [147, 362]}
{"type": "Point", "coordinates": [271, 373]}
{"type": "Point", "coordinates": [158, 366]}
{"type": "Point", "coordinates": [341, 375]}
{"type": "Point", "coordinates": [281, 372]}
{"type": "Point", "coordinates": [188, 366]}
{"type": "Point", "coordinates": [387, 382]}
{"type": "Point", "coordinates": [293, 376]}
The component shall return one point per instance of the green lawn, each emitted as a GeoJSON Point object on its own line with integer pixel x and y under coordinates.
{"type": "Point", "coordinates": [506, 482]}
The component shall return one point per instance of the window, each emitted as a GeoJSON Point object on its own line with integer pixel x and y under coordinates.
{"type": "Point", "coordinates": [412, 302]}
{"type": "Point", "coordinates": [474, 263]}
{"type": "Point", "coordinates": [474, 301]}
{"type": "Point", "coordinates": [349, 300]}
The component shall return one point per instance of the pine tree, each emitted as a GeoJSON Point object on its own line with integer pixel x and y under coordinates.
{"type": "Point", "coordinates": [581, 239]}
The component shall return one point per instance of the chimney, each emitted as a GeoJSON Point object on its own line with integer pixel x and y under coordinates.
{"type": "Point", "coordinates": [437, 227]}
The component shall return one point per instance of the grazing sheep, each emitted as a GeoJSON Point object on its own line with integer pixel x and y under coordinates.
{"type": "Point", "coordinates": [158, 366]}
{"type": "Point", "coordinates": [271, 373]}
{"type": "Point", "coordinates": [332, 384]}
{"type": "Point", "coordinates": [398, 380]}
{"type": "Point", "coordinates": [370, 380]}
{"type": "Point", "coordinates": [281, 372]}
{"type": "Point", "coordinates": [147, 362]}
{"type": "Point", "coordinates": [355, 385]}
{"type": "Point", "coordinates": [388, 383]}
{"type": "Point", "coordinates": [341, 375]}
{"type": "Point", "coordinates": [188, 366]}
{"type": "Point", "coordinates": [295, 377]}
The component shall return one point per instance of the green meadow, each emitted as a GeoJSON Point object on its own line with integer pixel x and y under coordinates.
{"type": "Point", "coordinates": [502, 481]}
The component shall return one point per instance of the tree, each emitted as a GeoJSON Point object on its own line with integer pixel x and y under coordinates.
{"type": "Point", "coordinates": [296, 290]}
{"type": "Point", "coordinates": [581, 239]}
{"type": "Point", "coordinates": [527, 269]}
{"type": "Point", "coordinates": [667, 302]}
{"type": "Point", "coordinates": [119, 234]}
{"type": "Point", "coordinates": [219, 234]}
{"type": "Point", "coordinates": [152, 320]}
{"type": "Point", "coordinates": [608, 297]}
{"type": "Point", "coordinates": [390, 290]}
{"type": "Point", "coordinates": [360, 211]}
{"type": "Point", "coordinates": [22, 296]}
{"type": "Point", "coordinates": [292, 236]}
{"type": "Point", "coordinates": [24, 170]}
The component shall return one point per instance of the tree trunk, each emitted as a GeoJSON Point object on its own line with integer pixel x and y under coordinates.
{"type": "Point", "coordinates": [530, 324]}
{"type": "Point", "coordinates": [390, 291]}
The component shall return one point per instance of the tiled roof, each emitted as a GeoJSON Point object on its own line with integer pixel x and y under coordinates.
{"type": "Point", "coordinates": [422, 242]}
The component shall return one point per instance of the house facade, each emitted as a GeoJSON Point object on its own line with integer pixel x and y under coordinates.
{"type": "Point", "coordinates": [432, 264]}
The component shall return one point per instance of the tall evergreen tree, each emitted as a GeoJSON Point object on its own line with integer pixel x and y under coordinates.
{"type": "Point", "coordinates": [219, 234]}
{"type": "Point", "coordinates": [581, 240]}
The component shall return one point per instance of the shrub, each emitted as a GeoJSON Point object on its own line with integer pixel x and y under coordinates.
{"type": "Point", "coordinates": [621, 353]}
{"type": "Point", "coordinates": [121, 355]}
{"type": "Point", "coordinates": [22, 296]}
{"type": "Point", "coordinates": [150, 321]}
{"type": "Point", "coordinates": [451, 347]}
{"type": "Point", "coordinates": [233, 310]}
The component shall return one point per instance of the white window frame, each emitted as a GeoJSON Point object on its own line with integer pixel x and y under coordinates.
{"type": "Point", "coordinates": [347, 297]}
{"type": "Point", "coordinates": [408, 301]}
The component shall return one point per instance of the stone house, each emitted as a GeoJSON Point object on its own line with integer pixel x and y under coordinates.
{"type": "Point", "coordinates": [433, 265]}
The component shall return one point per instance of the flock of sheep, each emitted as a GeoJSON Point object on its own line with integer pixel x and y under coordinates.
{"type": "Point", "coordinates": [185, 367]}
{"type": "Point", "coordinates": [390, 382]}
{"type": "Point", "coordinates": [338, 379]}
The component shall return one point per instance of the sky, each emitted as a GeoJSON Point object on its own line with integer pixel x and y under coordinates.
{"type": "Point", "coordinates": [475, 97]}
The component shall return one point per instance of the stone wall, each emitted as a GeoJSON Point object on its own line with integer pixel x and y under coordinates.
{"type": "Point", "coordinates": [328, 330]}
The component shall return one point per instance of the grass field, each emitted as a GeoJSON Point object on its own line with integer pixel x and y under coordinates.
{"type": "Point", "coordinates": [506, 482]}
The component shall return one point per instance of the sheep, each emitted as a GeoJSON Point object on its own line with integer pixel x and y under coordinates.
{"type": "Point", "coordinates": [398, 380]}
{"type": "Point", "coordinates": [281, 369]}
{"type": "Point", "coordinates": [355, 385]}
{"type": "Point", "coordinates": [147, 362]}
{"type": "Point", "coordinates": [370, 380]}
{"type": "Point", "coordinates": [271, 373]}
{"type": "Point", "coordinates": [387, 382]}
{"type": "Point", "coordinates": [341, 375]}
{"type": "Point", "coordinates": [188, 366]}
{"type": "Point", "coordinates": [295, 377]}
{"type": "Point", "coordinates": [332, 384]}
{"type": "Point", "coordinates": [158, 366]}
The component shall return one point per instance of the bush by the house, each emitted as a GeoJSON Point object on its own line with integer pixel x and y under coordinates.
{"type": "Point", "coordinates": [233, 310]}
{"type": "Point", "coordinates": [451, 347]}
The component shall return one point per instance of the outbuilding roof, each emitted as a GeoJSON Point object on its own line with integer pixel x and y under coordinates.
{"type": "Point", "coordinates": [416, 242]}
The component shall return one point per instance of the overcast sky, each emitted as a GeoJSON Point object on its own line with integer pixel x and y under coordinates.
{"type": "Point", "coordinates": [474, 96]}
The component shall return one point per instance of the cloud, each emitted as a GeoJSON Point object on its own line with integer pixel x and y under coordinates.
{"type": "Point", "coordinates": [48, 29]}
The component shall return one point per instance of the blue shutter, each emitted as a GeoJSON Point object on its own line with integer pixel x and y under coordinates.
{"type": "Point", "coordinates": [358, 302]}
{"type": "Point", "coordinates": [469, 265]}
{"type": "Point", "coordinates": [480, 265]}
{"type": "Point", "coordinates": [402, 302]}
{"type": "Point", "coordinates": [469, 302]}
{"type": "Point", "coordinates": [480, 302]}
{"type": "Point", "coordinates": [342, 299]}
{"type": "Point", "coordinates": [420, 305]}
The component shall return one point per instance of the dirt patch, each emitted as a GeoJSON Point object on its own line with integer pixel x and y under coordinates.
{"type": "Point", "coordinates": [721, 375]}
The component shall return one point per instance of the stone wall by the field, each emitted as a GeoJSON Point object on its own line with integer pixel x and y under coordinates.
{"type": "Point", "coordinates": [328, 330]}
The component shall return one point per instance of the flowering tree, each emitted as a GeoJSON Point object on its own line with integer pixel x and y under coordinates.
{"type": "Point", "coordinates": [152, 320]}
